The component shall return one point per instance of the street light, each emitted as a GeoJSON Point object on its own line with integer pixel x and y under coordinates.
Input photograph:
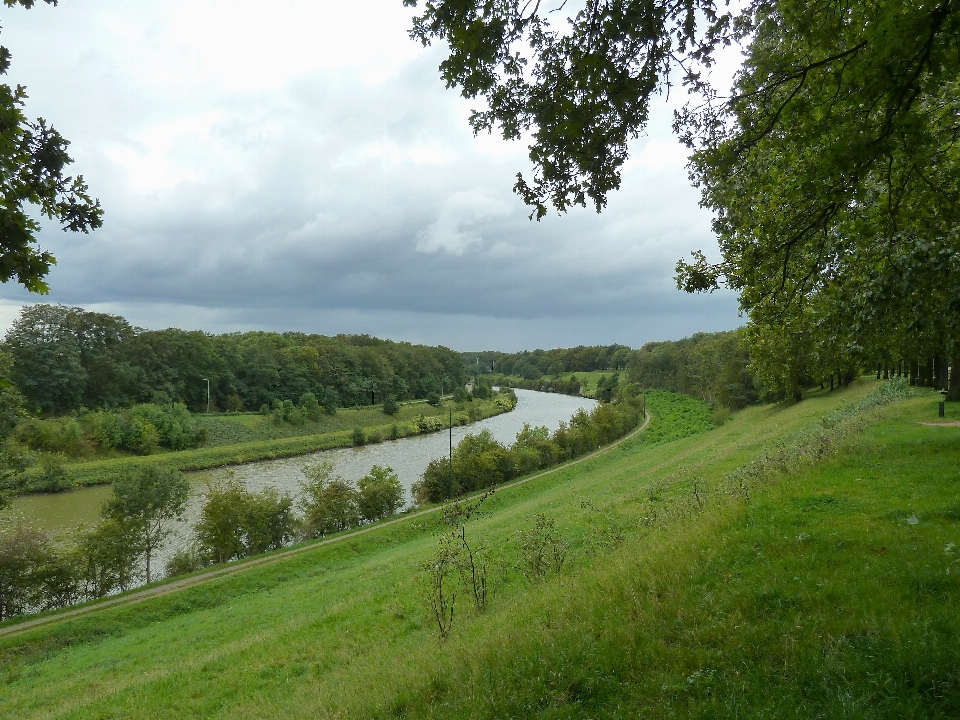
{"type": "Point", "coordinates": [208, 394]}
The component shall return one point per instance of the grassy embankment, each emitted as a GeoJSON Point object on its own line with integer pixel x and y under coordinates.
{"type": "Point", "coordinates": [236, 439]}
{"type": "Point", "coordinates": [726, 574]}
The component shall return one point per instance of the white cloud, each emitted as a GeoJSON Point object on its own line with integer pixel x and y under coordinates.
{"type": "Point", "coordinates": [280, 163]}
{"type": "Point", "coordinates": [458, 226]}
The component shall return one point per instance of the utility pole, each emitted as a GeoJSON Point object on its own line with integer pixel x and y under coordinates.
{"type": "Point", "coordinates": [208, 394]}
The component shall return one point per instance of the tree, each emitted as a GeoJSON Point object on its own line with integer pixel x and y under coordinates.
{"type": "Point", "coordinates": [108, 557]}
{"type": "Point", "coordinates": [145, 501]}
{"type": "Point", "coordinates": [235, 522]}
{"type": "Point", "coordinates": [380, 493]}
{"type": "Point", "coordinates": [23, 554]}
{"type": "Point", "coordinates": [34, 157]}
{"type": "Point", "coordinates": [329, 502]}
{"type": "Point", "coordinates": [390, 406]}
{"type": "Point", "coordinates": [829, 165]}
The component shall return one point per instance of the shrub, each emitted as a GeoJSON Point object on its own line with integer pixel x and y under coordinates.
{"type": "Point", "coordinates": [52, 477]}
{"type": "Point", "coordinates": [310, 407]}
{"type": "Point", "coordinates": [380, 493]}
{"type": "Point", "coordinates": [330, 503]}
{"type": "Point", "coordinates": [236, 523]}
{"type": "Point", "coordinates": [359, 439]}
{"type": "Point", "coordinates": [433, 399]}
{"type": "Point", "coordinates": [390, 406]}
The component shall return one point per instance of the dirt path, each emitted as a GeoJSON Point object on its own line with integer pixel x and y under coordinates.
{"type": "Point", "coordinates": [955, 423]}
{"type": "Point", "coordinates": [244, 565]}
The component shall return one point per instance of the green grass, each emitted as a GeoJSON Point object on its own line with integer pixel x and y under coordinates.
{"type": "Point", "coordinates": [236, 429]}
{"type": "Point", "coordinates": [830, 590]}
{"type": "Point", "coordinates": [285, 440]}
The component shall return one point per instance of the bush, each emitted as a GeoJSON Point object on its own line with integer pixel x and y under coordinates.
{"type": "Point", "coordinates": [52, 477]}
{"type": "Point", "coordinates": [481, 462]}
{"type": "Point", "coordinates": [359, 439]}
{"type": "Point", "coordinates": [390, 406]}
{"type": "Point", "coordinates": [310, 407]}
{"type": "Point", "coordinates": [59, 435]}
{"type": "Point", "coordinates": [330, 503]}
{"type": "Point", "coordinates": [380, 493]}
{"type": "Point", "coordinates": [236, 523]}
{"type": "Point", "coordinates": [433, 399]}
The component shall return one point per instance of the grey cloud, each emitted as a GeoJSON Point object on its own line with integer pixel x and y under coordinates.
{"type": "Point", "coordinates": [333, 201]}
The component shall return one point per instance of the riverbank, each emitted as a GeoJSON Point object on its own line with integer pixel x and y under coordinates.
{"type": "Point", "coordinates": [416, 420]}
{"type": "Point", "coordinates": [798, 559]}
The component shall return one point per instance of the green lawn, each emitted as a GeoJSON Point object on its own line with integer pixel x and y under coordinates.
{"type": "Point", "coordinates": [729, 573]}
{"type": "Point", "coordinates": [234, 429]}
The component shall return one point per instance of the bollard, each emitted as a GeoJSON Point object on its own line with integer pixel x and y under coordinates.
{"type": "Point", "coordinates": [941, 409]}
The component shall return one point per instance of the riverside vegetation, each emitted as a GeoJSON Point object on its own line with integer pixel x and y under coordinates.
{"type": "Point", "coordinates": [801, 557]}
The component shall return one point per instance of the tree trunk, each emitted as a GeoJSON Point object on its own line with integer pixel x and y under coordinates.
{"type": "Point", "coordinates": [928, 372]}
{"type": "Point", "coordinates": [954, 393]}
{"type": "Point", "coordinates": [940, 372]}
{"type": "Point", "coordinates": [886, 372]}
{"type": "Point", "coordinates": [831, 383]}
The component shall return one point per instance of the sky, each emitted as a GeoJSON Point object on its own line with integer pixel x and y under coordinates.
{"type": "Point", "coordinates": [300, 165]}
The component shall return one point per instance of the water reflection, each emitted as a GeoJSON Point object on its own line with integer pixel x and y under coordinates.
{"type": "Point", "coordinates": [408, 457]}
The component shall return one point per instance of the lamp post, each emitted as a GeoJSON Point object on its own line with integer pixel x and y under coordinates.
{"type": "Point", "coordinates": [207, 380]}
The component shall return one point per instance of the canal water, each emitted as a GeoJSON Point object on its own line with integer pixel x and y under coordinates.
{"type": "Point", "coordinates": [408, 457]}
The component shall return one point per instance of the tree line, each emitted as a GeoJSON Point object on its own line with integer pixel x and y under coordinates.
{"type": "Point", "coordinates": [479, 461]}
{"type": "Point", "coordinates": [67, 358]}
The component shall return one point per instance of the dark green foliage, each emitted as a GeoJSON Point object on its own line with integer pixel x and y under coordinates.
{"type": "Point", "coordinates": [67, 358]}
{"type": "Point", "coordinates": [606, 388]}
{"type": "Point", "coordinates": [330, 504]}
{"type": "Point", "coordinates": [359, 438]}
{"type": "Point", "coordinates": [482, 388]}
{"type": "Point", "coordinates": [143, 428]}
{"type": "Point", "coordinates": [310, 407]}
{"type": "Point", "coordinates": [390, 406]}
{"type": "Point", "coordinates": [34, 160]}
{"type": "Point", "coordinates": [24, 554]}
{"type": "Point", "coordinates": [107, 557]}
{"type": "Point", "coordinates": [236, 523]}
{"type": "Point", "coordinates": [712, 366]}
{"type": "Point", "coordinates": [145, 501]}
{"type": "Point", "coordinates": [52, 477]}
{"type": "Point", "coordinates": [433, 398]}
{"type": "Point", "coordinates": [380, 494]}
{"type": "Point", "coordinates": [481, 462]}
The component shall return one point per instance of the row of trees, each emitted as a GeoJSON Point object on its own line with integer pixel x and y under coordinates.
{"type": "Point", "coordinates": [479, 461]}
{"type": "Point", "coordinates": [532, 364]}
{"type": "Point", "coordinates": [831, 166]}
{"type": "Point", "coordinates": [65, 358]}
{"type": "Point", "coordinates": [39, 573]}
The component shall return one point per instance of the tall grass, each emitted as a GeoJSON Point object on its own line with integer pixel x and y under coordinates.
{"type": "Point", "coordinates": [831, 591]}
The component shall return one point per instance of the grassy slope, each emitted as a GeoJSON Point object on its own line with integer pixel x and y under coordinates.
{"type": "Point", "coordinates": [819, 596]}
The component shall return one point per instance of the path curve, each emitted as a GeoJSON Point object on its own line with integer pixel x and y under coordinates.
{"type": "Point", "coordinates": [243, 565]}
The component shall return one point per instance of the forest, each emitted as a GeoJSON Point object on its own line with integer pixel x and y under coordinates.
{"type": "Point", "coordinates": [67, 358]}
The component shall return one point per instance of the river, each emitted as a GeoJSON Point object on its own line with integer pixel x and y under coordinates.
{"type": "Point", "coordinates": [409, 457]}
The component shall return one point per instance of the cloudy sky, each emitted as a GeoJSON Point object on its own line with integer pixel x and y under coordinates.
{"type": "Point", "coordinates": [299, 165]}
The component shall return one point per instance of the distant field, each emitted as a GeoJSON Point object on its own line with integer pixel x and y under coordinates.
{"type": "Point", "coordinates": [802, 560]}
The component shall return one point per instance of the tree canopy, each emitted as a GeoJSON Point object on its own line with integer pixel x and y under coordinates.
{"type": "Point", "coordinates": [33, 162]}
{"type": "Point", "coordinates": [830, 166]}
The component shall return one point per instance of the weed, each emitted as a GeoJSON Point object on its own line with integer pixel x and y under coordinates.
{"type": "Point", "coordinates": [542, 549]}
